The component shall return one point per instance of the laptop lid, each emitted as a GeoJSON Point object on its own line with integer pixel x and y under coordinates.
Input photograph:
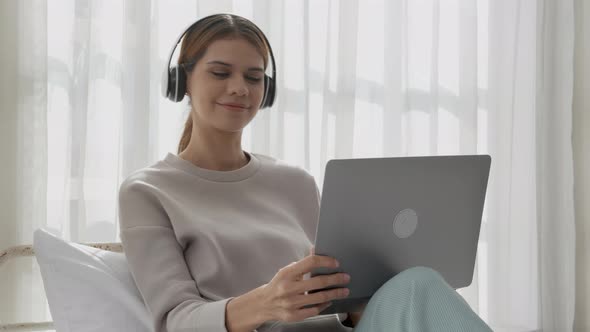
{"type": "Point", "coordinates": [380, 216]}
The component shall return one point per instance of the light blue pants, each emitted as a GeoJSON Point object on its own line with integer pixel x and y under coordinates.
{"type": "Point", "coordinates": [418, 299]}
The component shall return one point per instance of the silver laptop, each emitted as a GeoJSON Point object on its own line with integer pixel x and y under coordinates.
{"type": "Point", "coordinates": [380, 216]}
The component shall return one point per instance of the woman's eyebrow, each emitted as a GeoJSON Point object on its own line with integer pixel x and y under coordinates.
{"type": "Point", "coordinates": [215, 62]}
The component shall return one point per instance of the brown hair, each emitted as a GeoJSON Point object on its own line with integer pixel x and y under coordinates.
{"type": "Point", "coordinates": [205, 32]}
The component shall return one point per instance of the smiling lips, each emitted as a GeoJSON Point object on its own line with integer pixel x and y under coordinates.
{"type": "Point", "coordinates": [234, 107]}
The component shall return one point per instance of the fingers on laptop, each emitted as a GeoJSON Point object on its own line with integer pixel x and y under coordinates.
{"type": "Point", "coordinates": [310, 263]}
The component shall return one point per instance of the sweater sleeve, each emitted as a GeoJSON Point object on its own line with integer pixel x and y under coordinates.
{"type": "Point", "coordinates": [313, 196]}
{"type": "Point", "coordinates": [157, 264]}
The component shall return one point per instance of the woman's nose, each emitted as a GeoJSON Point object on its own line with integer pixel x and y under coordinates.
{"type": "Point", "coordinates": [238, 86]}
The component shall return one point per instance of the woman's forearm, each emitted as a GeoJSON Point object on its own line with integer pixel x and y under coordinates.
{"type": "Point", "coordinates": [245, 313]}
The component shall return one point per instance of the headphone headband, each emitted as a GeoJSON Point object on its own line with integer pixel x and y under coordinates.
{"type": "Point", "coordinates": [174, 79]}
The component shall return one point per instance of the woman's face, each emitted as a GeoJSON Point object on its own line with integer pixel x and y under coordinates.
{"type": "Point", "coordinates": [226, 85]}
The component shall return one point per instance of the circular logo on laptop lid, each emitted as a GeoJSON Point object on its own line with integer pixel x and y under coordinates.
{"type": "Point", "coordinates": [405, 223]}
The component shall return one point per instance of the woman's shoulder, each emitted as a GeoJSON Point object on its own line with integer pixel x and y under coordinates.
{"type": "Point", "coordinates": [148, 176]}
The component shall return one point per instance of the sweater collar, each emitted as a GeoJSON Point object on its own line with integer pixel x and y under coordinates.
{"type": "Point", "coordinates": [212, 175]}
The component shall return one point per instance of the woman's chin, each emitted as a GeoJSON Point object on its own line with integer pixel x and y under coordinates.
{"type": "Point", "coordinates": [232, 128]}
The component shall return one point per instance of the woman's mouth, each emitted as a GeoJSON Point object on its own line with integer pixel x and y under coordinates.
{"type": "Point", "coordinates": [234, 107]}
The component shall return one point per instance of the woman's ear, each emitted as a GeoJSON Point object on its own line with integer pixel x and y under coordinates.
{"type": "Point", "coordinates": [188, 87]}
{"type": "Point", "coordinates": [187, 83]}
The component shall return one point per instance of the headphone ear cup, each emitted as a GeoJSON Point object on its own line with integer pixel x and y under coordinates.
{"type": "Point", "coordinates": [177, 84]}
{"type": "Point", "coordinates": [269, 92]}
{"type": "Point", "coordinates": [181, 84]}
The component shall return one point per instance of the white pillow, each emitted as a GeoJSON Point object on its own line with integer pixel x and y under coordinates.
{"type": "Point", "coordinates": [89, 289]}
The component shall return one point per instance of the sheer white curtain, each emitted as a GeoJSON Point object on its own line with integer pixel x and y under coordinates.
{"type": "Point", "coordinates": [355, 79]}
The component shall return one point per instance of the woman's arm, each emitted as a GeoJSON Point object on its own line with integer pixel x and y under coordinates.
{"type": "Point", "coordinates": [243, 313]}
{"type": "Point", "coordinates": [157, 264]}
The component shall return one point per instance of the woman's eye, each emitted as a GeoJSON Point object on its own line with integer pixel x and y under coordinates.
{"type": "Point", "coordinates": [221, 75]}
{"type": "Point", "coordinates": [253, 79]}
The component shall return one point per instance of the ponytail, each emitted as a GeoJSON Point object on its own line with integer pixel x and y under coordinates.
{"type": "Point", "coordinates": [186, 134]}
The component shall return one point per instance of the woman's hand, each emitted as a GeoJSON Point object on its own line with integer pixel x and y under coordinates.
{"type": "Point", "coordinates": [284, 297]}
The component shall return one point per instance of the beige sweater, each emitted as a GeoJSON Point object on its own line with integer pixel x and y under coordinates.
{"type": "Point", "coordinates": [194, 238]}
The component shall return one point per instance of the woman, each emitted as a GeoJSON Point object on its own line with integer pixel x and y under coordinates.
{"type": "Point", "coordinates": [219, 239]}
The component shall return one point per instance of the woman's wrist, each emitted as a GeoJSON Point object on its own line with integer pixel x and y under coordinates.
{"type": "Point", "coordinates": [245, 312]}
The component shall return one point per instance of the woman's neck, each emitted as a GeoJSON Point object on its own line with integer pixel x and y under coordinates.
{"type": "Point", "coordinates": [215, 151]}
